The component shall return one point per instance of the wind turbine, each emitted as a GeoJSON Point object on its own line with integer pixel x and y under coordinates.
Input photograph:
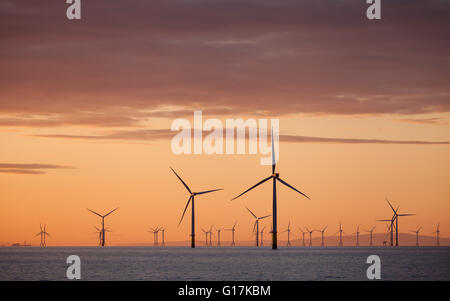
{"type": "Point", "coordinates": [163, 243]}
{"type": "Point", "coordinates": [288, 230]}
{"type": "Point", "coordinates": [256, 225]}
{"type": "Point", "coordinates": [437, 235]}
{"type": "Point", "coordinates": [417, 235]}
{"type": "Point", "coordinates": [391, 227]}
{"type": "Point", "coordinates": [357, 236]}
{"type": "Point", "coordinates": [210, 234]}
{"type": "Point", "coordinates": [99, 232]}
{"type": "Point", "coordinates": [396, 221]}
{"type": "Point", "coordinates": [275, 177]}
{"type": "Point", "coordinates": [42, 233]}
{"type": "Point", "coordinates": [303, 235]}
{"type": "Point", "coordinates": [206, 236]}
{"type": "Point", "coordinates": [322, 232]}
{"type": "Point", "coordinates": [233, 229]}
{"type": "Point", "coordinates": [191, 197]}
{"type": "Point", "coordinates": [218, 236]}
{"type": "Point", "coordinates": [310, 236]}
{"type": "Point", "coordinates": [103, 223]}
{"type": "Point", "coordinates": [371, 232]}
{"type": "Point", "coordinates": [155, 235]}
{"type": "Point", "coordinates": [340, 234]}
{"type": "Point", "coordinates": [262, 236]}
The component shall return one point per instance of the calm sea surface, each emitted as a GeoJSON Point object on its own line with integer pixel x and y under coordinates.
{"type": "Point", "coordinates": [238, 263]}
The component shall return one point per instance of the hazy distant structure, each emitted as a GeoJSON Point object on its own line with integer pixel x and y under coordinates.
{"type": "Point", "coordinates": [206, 236]}
{"type": "Point", "coordinates": [99, 232]}
{"type": "Point", "coordinates": [437, 235]}
{"type": "Point", "coordinates": [163, 230]}
{"type": "Point", "coordinates": [155, 232]}
{"type": "Point", "coordinates": [417, 235]}
{"type": "Point", "coordinates": [322, 232]}
{"type": "Point", "coordinates": [218, 236]}
{"type": "Point", "coordinates": [357, 236]}
{"type": "Point", "coordinates": [232, 229]}
{"type": "Point", "coordinates": [210, 234]}
{"type": "Point", "coordinates": [256, 224]}
{"type": "Point", "coordinates": [191, 198]}
{"type": "Point", "coordinates": [340, 234]}
{"type": "Point", "coordinates": [370, 232]}
{"type": "Point", "coordinates": [303, 236]}
{"type": "Point", "coordinates": [103, 223]}
{"type": "Point", "coordinates": [275, 177]}
{"type": "Point", "coordinates": [310, 236]}
{"type": "Point", "coordinates": [43, 233]}
{"type": "Point", "coordinates": [396, 221]}
{"type": "Point", "coordinates": [262, 236]}
{"type": "Point", "coordinates": [288, 230]}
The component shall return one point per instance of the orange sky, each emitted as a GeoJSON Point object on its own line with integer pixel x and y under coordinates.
{"type": "Point", "coordinates": [363, 109]}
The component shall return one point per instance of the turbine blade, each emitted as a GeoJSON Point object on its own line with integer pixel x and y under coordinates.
{"type": "Point", "coordinates": [325, 228]}
{"type": "Point", "coordinates": [181, 180]}
{"type": "Point", "coordinates": [254, 226]}
{"type": "Point", "coordinates": [253, 187]}
{"type": "Point", "coordinates": [405, 214]}
{"type": "Point", "coordinates": [111, 212]}
{"type": "Point", "coordinates": [185, 210]}
{"type": "Point", "coordinates": [209, 191]}
{"type": "Point", "coordinates": [251, 213]}
{"type": "Point", "coordinates": [293, 188]}
{"type": "Point", "coordinates": [94, 212]}
{"type": "Point", "coordinates": [264, 216]}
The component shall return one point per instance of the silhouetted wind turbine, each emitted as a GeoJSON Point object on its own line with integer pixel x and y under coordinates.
{"type": "Point", "coordinates": [155, 235]}
{"type": "Point", "coordinates": [99, 232]}
{"type": "Point", "coordinates": [218, 236]}
{"type": "Point", "coordinates": [103, 222]}
{"type": "Point", "coordinates": [357, 236]}
{"type": "Point", "coordinates": [206, 236]}
{"type": "Point", "coordinates": [303, 235]}
{"type": "Point", "coordinates": [371, 232]}
{"type": "Point", "coordinates": [288, 230]}
{"type": "Point", "coordinates": [310, 236]}
{"type": "Point", "coordinates": [437, 235]}
{"type": "Point", "coordinates": [391, 227]}
{"type": "Point", "coordinates": [275, 177]}
{"type": "Point", "coordinates": [322, 232]}
{"type": "Point", "coordinates": [256, 225]}
{"type": "Point", "coordinates": [191, 198]}
{"type": "Point", "coordinates": [340, 234]}
{"type": "Point", "coordinates": [396, 221]}
{"type": "Point", "coordinates": [163, 243]}
{"type": "Point", "coordinates": [233, 229]}
{"type": "Point", "coordinates": [210, 234]}
{"type": "Point", "coordinates": [262, 236]}
{"type": "Point", "coordinates": [42, 233]}
{"type": "Point", "coordinates": [417, 235]}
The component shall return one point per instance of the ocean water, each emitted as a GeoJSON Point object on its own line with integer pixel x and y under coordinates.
{"type": "Point", "coordinates": [226, 263]}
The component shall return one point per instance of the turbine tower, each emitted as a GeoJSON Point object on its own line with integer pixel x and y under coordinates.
{"type": "Point", "coordinates": [396, 221]}
{"type": "Point", "coordinates": [303, 235]}
{"type": "Point", "coordinates": [288, 230]}
{"type": "Point", "coordinates": [206, 236]}
{"type": "Point", "coordinates": [275, 177]}
{"type": "Point", "coordinates": [43, 233]}
{"type": "Point", "coordinates": [340, 234]}
{"type": "Point", "coordinates": [233, 229]}
{"type": "Point", "coordinates": [322, 232]}
{"type": "Point", "coordinates": [99, 232]}
{"type": "Point", "coordinates": [417, 235]}
{"type": "Point", "coordinates": [256, 225]}
{"type": "Point", "coordinates": [155, 235]}
{"type": "Point", "coordinates": [310, 236]}
{"type": "Point", "coordinates": [103, 223]}
{"type": "Point", "coordinates": [262, 236]}
{"type": "Point", "coordinates": [163, 243]}
{"type": "Point", "coordinates": [218, 236]}
{"type": "Point", "coordinates": [437, 235]}
{"type": "Point", "coordinates": [191, 198]}
{"type": "Point", "coordinates": [371, 232]}
{"type": "Point", "coordinates": [357, 236]}
{"type": "Point", "coordinates": [210, 234]}
{"type": "Point", "coordinates": [391, 226]}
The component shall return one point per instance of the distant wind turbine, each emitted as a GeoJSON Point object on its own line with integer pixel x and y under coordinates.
{"type": "Point", "coordinates": [163, 230]}
{"type": "Point", "coordinates": [371, 232]}
{"type": "Point", "coordinates": [322, 232]}
{"type": "Point", "coordinates": [288, 230]}
{"type": "Point", "coordinates": [396, 221]}
{"type": "Point", "coordinates": [310, 236]}
{"type": "Point", "coordinates": [155, 235]}
{"type": "Point", "coordinates": [191, 198]}
{"type": "Point", "coordinates": [99, 232]}
{"type": "Point", "coordinates": [357, 236]}
{"type": "Point", "coordinates": [43, 233]}
{"type": "Point", "coordinates": [256, 224]}
{"type": "Point", "coordinates": [437, 235]}
{"type": "Point", "coordinates": [232, 229]}
{"type": "Point", "coordinates": [275, 177]}
{"type": "Point", "coordinates": [262, 236]}
{"type": "Point", "coordinates": [218, 236]}
{"type": "Point", "coordinates": [103, 223]}
{"type": "Point", "coordinates": [303, 236]}
{"type": "Point", "coordinates": [417, 235]}
{"type": "Point", "coordinates": [340, 234]}
{"type": "Point", "coordinates": [206, 236]}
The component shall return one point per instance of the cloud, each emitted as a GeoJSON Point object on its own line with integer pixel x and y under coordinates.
{"type": "Point", "coordinates": [264, 57]}
{"type": "Point", "coordinates": [30, 169]}
{"type": "Point", "coordinates": [162, 134]}
{"type": "Point", "coordinates": [432, 121]}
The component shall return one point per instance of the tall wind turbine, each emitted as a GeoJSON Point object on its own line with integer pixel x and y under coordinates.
{"type": "Point", "coordinates": [233, 229]}
{"type": "Point", "coordinates": [437, 235]}
{"type": "Point", "coordinates": [310, 236]}
{"type": "Point", "coordinates": [303, 235]}
{"type": "Point", "coordinates": [191, 198]}
{"type": "Point", "coordinates": [288, 230]}
{"type": "Point", "coordinates": [103, 222]}
{"type": "Point", "coordinates": [371, 232]}
{"type": "Point", "coordinates": [357, 236]}
{"type": "Point", "coordinates": [340, 234]}
{"type": "Point", "coordinates": [322, 232]}
{"type": "Point", "coordinates": [275, 177]}
{"type": "Point", "coordinates": [391, 227]}
{"type": "Point", "coordinates": [417, 235]}
{"type": "Point", "coordinates": [256, 225]}
{"type": "Point", "coordinates": [396, 221]}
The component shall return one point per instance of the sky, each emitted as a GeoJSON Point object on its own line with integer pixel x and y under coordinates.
{"type": "Point", "coordinates": [86, 108]}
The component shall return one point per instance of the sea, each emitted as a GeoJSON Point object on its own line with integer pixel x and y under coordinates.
{"type": "Point", "coordinates": [225, 263]}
